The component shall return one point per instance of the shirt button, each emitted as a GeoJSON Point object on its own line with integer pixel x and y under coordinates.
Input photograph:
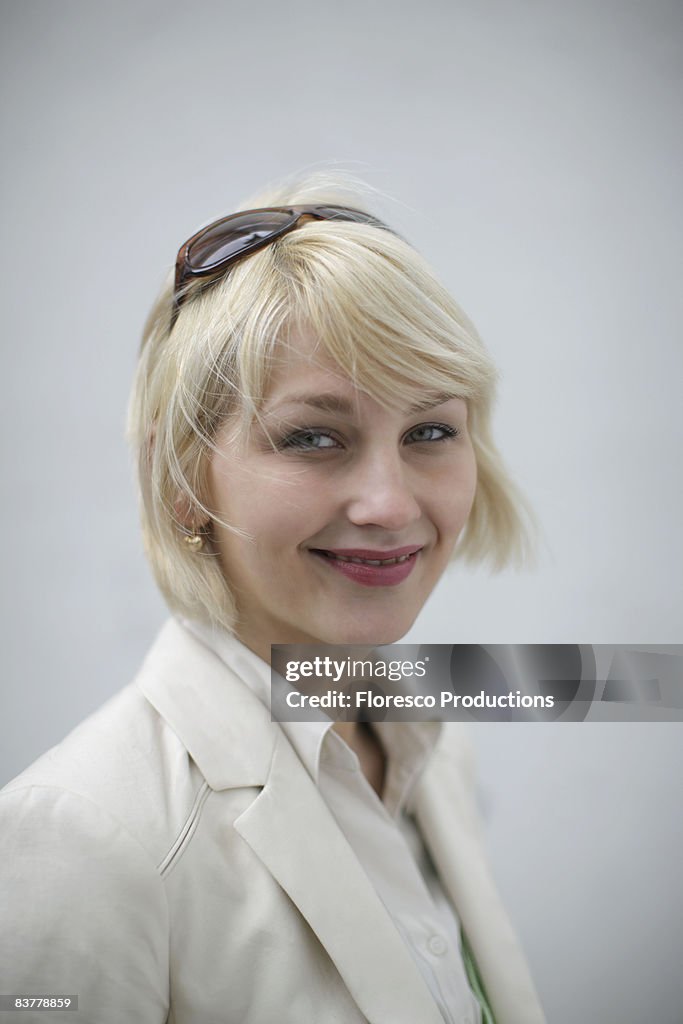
{"type": "Point", "coordinates": [437, 945]}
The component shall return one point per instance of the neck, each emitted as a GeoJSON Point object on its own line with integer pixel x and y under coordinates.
{"type": "Point", "coordinates": [367, 747]}
{"type": "Point", "coordinates": [347, 730]}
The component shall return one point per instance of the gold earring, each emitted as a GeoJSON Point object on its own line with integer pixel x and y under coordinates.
{"type": "Point", "coordinates": [195, 541]}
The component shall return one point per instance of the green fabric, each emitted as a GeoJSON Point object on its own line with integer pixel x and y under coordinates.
{"type": "Point", "coordinates": [475, 981]}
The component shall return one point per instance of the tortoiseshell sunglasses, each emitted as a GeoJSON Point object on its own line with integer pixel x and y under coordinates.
{"type": "Point", "coordinates": [214, 248]}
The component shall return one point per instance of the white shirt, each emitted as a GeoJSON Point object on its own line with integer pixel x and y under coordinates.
{"type": "Point", "coordinates": [382, 833]}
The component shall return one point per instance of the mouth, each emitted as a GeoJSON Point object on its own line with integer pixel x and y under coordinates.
{"type": "Point", "coordinates": [370, 567]}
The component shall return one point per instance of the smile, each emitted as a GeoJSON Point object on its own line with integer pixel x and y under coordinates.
{"type": "Point", "coordinates": [371, 568]}
{"type": "Point", "coordinates": [366, 561]}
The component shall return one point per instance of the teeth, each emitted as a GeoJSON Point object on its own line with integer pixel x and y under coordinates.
{"type": "Point", "coordinates": [368, 561]}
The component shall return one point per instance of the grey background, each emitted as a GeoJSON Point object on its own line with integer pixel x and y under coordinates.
{"type": "Point", "coordinates": [534, 150]}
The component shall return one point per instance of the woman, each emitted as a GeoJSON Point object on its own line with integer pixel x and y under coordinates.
{"type": "Point", "coordinates": [311, 420]}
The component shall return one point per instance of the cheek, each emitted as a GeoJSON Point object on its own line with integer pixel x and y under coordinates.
{"type": "Point", "coordinates": [453, 495]}
{"type": "Point", "coordinates": [468, 491]}
{"type": "Point", "coordinates": [275, 507]}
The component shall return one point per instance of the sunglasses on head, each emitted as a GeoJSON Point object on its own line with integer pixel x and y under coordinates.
{"type": "Point", "coordinates": [213, 249]}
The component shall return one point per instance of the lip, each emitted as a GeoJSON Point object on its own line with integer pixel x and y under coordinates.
{"type": "Point", "coordinates": [366, 574]}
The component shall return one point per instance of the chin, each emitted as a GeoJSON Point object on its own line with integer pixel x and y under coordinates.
{"type": "Point", "coordinates": [366, 632]}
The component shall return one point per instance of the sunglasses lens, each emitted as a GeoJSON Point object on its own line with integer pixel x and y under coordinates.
{"type": "Point", "coordinates": [233, 236]}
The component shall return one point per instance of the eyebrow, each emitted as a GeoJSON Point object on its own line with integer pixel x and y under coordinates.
{"type": "Point", "coordinates": [339, 404]}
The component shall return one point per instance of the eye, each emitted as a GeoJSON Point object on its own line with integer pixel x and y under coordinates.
{"type": "Point", "coordinates": [309, 440]}
{"type": "Point", "coordinates": [428, 432]}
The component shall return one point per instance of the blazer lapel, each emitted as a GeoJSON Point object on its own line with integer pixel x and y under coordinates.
{"type": "Point", "coordinates": [444, 807]}
{"type": "Point", "coordinates": [207, 704]}
{"type": "Point", "coordinates": [296, 837]}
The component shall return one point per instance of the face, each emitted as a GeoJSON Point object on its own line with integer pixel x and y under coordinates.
{"type": "Point", "coordinates": [348, 512]}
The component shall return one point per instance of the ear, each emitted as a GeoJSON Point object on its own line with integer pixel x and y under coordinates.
{"type": "Point", "coordinates": [188, 515]}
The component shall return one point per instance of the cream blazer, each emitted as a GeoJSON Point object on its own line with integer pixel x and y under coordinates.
{"type": "Point", "coordinates": [172, 860]}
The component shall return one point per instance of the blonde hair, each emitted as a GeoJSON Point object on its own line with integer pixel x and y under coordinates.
{"type": "Point", "coordinates": [376, 309]}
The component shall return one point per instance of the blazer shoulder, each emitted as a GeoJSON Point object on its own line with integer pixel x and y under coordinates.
{"type": "Point", "coordinates": [123, 761]}
{"type": "Point", "coordinates": [187, 725]}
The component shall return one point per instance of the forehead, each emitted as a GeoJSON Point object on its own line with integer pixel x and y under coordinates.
{"type": "Point", "coordinates": [301, 368]}
{"type": "Point", "coordinates": [302, 362]}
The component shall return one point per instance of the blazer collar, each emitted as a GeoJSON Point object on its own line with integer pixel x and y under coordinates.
{"type": "Point", "coordinates": [408, 744]}
{"type": "Point", "coordinates": [206, 703]}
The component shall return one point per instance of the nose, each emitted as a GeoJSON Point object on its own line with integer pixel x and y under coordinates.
{"type": "Point", "coordinates": [383, 493]}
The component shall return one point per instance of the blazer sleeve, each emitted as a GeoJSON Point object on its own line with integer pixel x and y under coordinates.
{"type": "Point", "coordinates": [84, 911]}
